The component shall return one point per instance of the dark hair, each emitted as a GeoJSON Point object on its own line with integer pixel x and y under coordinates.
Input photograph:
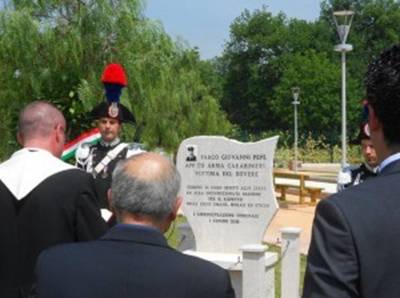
{"type": "Point", "coordinates": [383, 92]}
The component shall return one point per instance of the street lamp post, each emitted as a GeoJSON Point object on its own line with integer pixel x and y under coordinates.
{"type": "Point", "coordinates": [343, 20]}
{"type": "Point", "coordinates": [295, 102]}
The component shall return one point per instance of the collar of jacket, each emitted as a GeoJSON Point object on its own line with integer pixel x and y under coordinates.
{"type": "Point", "coordinates": [391, 168]}
{"type": "Point", "coordinates": [29, 167]}
{"type": "Point", "coordinates": [370, 169]}
{"type": "Point", "coordinates": [134, 233]}
{"type": "Point", "coordinates": [111, 144]}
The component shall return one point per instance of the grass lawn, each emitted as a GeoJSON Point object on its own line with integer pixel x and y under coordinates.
{"type": "Point", "coordinates": [172, 236]}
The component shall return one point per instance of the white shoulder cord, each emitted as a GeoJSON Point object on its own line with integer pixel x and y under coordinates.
{"type": "Point", "coordinates": [108, 158]}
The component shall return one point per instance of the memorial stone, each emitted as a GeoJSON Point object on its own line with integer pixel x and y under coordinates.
{"type": "Point", "coordinates": [227, 191]}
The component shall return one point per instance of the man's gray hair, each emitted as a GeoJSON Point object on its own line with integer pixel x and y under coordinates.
{"type": "Point", "coordinates": [154, 196]}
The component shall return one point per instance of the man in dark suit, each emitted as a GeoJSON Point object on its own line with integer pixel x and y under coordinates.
{"type": "Point", "coordinates": [355, 248]}
{"type": "Point", "coordinates": [43, 201]}
{"type": "Point", "coordinates": [133, 259]}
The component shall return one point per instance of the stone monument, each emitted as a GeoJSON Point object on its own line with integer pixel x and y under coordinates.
{"type": "Point", "coordinates": [227, 191]}
{"type": "Point", "coordinates": [229, 201]}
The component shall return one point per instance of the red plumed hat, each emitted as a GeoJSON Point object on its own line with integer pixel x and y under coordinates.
{"type": "Point", "coordinates": [114, 74]}
{"type": "Point", "coordinates": [113, 79]}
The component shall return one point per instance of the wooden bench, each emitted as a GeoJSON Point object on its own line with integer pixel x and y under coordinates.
{"type": "Point", "coordinates": [282, 190]}
{"type": "Point", "coordinates": [315, 193]}
{"type": "Point", "coordinates": [312, 192]}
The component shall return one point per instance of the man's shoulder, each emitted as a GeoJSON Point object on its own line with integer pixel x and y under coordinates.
{"type": "Point", "coordinates": [73, 251]}
{"type": "Point", "coordinates": [71, 179]}
{"type": "Point", "coordinates": [64, 253]}
{"type": "Point", "coordinates": [74, 173]}
{"type": "Point", "coordinates": [68, 247]}
{"type": "Point", "coordinates": [199, 277]}
{"type": "Point", "coordinates": [366, 195]}
{"type": "Point", "coordinates": [29, 168]}
{"type": "Point", "coordinates": [354, 192]}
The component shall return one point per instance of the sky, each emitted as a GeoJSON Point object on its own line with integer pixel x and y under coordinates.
{"type": "Point", "coordinates": [205, 23]}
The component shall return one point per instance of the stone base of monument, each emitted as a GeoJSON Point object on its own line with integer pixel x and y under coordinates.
{"type": "Point", "coordinates": [252, 271]}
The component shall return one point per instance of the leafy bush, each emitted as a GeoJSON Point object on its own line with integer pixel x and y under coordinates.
{"type": "Point", "coordinates": [310, 149]}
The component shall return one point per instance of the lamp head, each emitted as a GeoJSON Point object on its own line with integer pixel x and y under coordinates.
{"type": "Point", "coordinates": [296, 93]}
{"type": "Point", "coordinates": [343, 20]}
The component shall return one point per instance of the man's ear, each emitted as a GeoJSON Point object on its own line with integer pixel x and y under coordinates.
{"type": "Point", "coordinates": [58, 131]}
{"type": "Point", "coordinates": [109, 198]}
{"type": "Point", "coordinates": [20, 139]}
{"type": "Point", "coordinates": [174, 213]}
{"type": "Point", "coordinates": [373, 121]}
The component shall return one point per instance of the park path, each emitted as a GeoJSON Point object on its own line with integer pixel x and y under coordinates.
{"type": "Point", "coordinates": [292, 215]}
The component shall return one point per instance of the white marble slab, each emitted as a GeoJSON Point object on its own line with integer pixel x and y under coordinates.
{"type": "Point", "coordinates": [227, 189]}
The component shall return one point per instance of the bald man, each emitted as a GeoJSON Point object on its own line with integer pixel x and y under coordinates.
{"type": "Point", "coordinates": [133, 259]}
{"type": "Point", "coordinates": [43, 201]}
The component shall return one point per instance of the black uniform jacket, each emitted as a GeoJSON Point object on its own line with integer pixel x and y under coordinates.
{"type": "Point", "coordinates": [129, 261]}
{"type": "Point", "coordinates": [60, 208]}
{"type": "Point", "coordinates": [355, 247]}
{"type": "Point", "coordinates": [103, 179]}
{"type": "Point", "coordinates": [360, 174]}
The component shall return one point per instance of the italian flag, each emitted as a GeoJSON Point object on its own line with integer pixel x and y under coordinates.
{"type": "Point", "coordinates": [90, 136]}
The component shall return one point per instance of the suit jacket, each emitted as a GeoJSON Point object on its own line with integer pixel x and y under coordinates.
{"type": "Point", "coordinates": [58, 209]}
{"type": "Point", "coordinates": [355, 247]}
{"type": "Point", "coordinates": [129, 261]}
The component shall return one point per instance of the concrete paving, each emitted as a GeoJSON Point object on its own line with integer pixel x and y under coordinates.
{"type": "Point", "coordinates": [292, 215]}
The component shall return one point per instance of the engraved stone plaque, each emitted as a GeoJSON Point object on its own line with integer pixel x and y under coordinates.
{"type": "Point", "coordinates": [227, 190]}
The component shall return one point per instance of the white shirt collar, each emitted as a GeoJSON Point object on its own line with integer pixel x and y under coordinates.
{"type": "Point", "coordinates": [30, 149]}
{"type": "Point", "coordinates": [114, 142]}
{"type": "Point", "coordinates": [389, 160]}
{"type": "Point", "coordinates": [27, 168]}
{"type": "Point", "coordinates": [371, 169]}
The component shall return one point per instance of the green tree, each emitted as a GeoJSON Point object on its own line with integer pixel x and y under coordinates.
{"type": "Point", "coordinates": [267, 55]}
{"type": "Point", "coordinates": [320, 108]}
{"type": "Point", "coordinates": [374, 28]}
{"type": "Point", "coordinates": [257, 40]}
{"type": "Point", "coordinates": [57, 49]}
